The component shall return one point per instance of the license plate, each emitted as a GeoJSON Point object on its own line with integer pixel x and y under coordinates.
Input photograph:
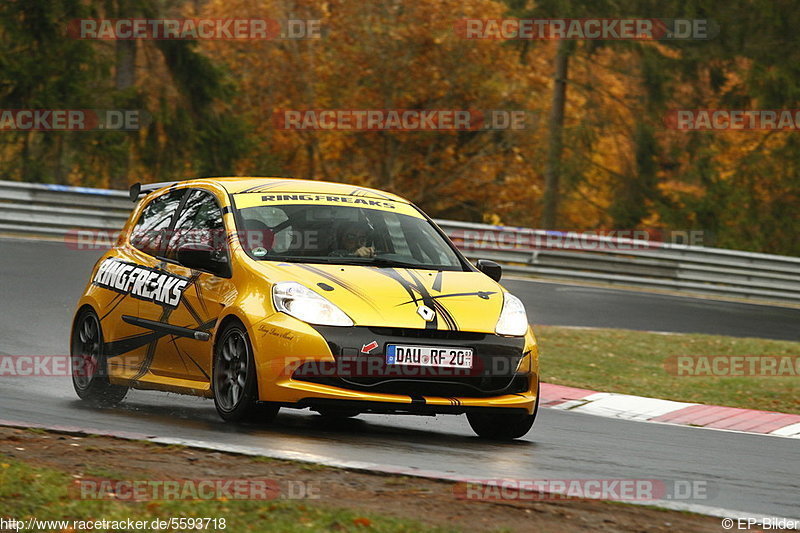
{"type": "Point", "coordinates": [435, 356]}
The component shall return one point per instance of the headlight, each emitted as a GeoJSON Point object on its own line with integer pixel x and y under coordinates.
{"type": "Point", "coordinates": [304, 304]}
{"type": "Point", "coordinates": [513, 319]}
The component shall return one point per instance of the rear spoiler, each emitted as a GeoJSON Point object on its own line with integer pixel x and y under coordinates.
{"type": "Point", "coordinates": [137, 189]}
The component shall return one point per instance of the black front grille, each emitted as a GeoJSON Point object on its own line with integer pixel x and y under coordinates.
{"type": "Point", "coordinates": [495, 363]}
{"type": "Point", "coordinates": [465, 387]}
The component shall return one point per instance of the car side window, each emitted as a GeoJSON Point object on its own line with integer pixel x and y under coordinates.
{"type": "Point", "coordinates": [258, 234]}
{"type": "Point", "coordinates": [150, 232]}
{"type": "Point", "coordinates": [200, 222]}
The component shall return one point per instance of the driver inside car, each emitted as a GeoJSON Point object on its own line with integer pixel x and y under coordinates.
{"type": "Point", "coordinates": [351, 240]}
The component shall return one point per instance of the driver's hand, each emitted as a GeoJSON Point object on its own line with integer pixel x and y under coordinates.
{"type": "Point", "coordinates": [365, 251]}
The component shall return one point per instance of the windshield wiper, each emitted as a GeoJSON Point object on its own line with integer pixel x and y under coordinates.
{"type": "Point", "coordinates": [384, 262]}
{"type": "Point", "coordinates": [300, 259]}
{"type": "Point", "coordinates": [380, 262]}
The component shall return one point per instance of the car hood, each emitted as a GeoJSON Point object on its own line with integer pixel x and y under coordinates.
{"type": "Point", "coordinates": [392, 297]}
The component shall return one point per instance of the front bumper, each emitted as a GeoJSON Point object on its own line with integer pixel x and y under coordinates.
{"type": "Point", "coordinates": [505, 377]}
{"type": "Point", "coordinates": [416, 408]}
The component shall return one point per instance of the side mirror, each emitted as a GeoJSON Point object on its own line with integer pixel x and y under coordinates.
{"type": "Point", "coordinates": [490, 268]}
{"type": "Point", "coordinates": [203, 257]}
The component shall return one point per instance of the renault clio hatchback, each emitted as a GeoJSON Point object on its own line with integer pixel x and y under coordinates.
{"type": "Point", "coordinates": [264, 293]}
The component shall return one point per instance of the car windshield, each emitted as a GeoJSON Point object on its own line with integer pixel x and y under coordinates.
{"type": "Point", "coordinates": [310, 228]}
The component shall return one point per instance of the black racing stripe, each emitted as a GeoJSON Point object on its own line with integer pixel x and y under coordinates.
{"type": "Point", "coordinates": [428, 300]}
{"type": "Point", "coordinates": [367, 193]}
{"type": "Point", "coordinates": [165, 314]}
{"type": "Point", "coordinates": [264, 187]}
{"type": "Point", "coordinates": [445, 314]}
{"type": "Point", "coordinates": [128, 344]}
{"type": "Point", "coordinates": [480, 294]}
{"type": "Point", "coordinates": [342, 283]}
{"type": "Point", "coordinates": [326, 275]}
{"type": "Point", "coordinates": [448, 317]}
{"type": "Point", "coordinates": [392, 273]}
{"type": "Point", "coordinates": [169, 329]}
{"type": "Point", "coordinates": [425, 296]}
{"type": "Point", "coordinates": [151, 348]}
{"type": "Point", "coordinates": [174, 343]}
{"type": "Point", "coordinates": [156, 336]}
{"type": "Point", "coordinates": [181, 354]}
{"type": "Point", "coordinates": [194, 277]}
{"type": "Point", "coordinates": [437, 282]}
{"type": "Point", "coordinates": [411, 288]}
{"type": "Point", "coordinates": [431, 302]}
{"type": "Point", "coordinates": [121, 297]}
{"type": "Point", "coordinates": [192, 311]}
{"type": "Point", "coordinates": [189, 307]}
{"type": "Point", "coordinates": [200, 298]}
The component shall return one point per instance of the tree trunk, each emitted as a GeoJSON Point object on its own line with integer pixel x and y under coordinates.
{"type": "Point", "coordinates": [312, 158]}
{"type": "Point", "coordinates": [552, 171]}
{"type": "Point", "coordinates": [125, 65]}
{"type": "Point", "coordinates": [124, 79]}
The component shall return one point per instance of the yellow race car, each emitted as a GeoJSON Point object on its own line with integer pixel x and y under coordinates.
{"type": "Point", "coordinates": [264, 293]}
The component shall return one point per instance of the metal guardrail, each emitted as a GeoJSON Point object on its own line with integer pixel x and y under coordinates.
{"type": "Point", "coordinates": [41, 209]}
{"type": "Point", "coordinates": [642, 263]}
{"type": "Point", "coordinates": [37, 208]}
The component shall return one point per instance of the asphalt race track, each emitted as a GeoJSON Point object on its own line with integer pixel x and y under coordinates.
{"type": "Point", "coordinates": [570, 305]}
{"type": "Point", "coordinates": [40, 282]}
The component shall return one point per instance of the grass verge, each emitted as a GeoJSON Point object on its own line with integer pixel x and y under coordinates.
{"type": "Point", "coordinates": [635, 362]}
{"type": "Point", "coordinates": [33, 491]}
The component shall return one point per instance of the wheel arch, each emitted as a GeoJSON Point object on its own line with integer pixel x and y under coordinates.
{"type": "Point", "coordinates": [232, 317]}
{"type": "Point", "coordinates": [228, 318]}
{"type": "Point", "coordinates": [82, 307]}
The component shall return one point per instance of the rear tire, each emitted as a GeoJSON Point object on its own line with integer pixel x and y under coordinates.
{"type": "Point", "coordinates": [503, 426]}
{"type": "Point", "coordinates": [234, 382]}
{"type": "Point", "coordinates": [89, 364]}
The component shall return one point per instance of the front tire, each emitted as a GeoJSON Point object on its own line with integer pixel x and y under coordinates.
{"type": "Point", "coordinates": [503, 426]}
{"type": "Point", "coordinates": [234, 381]}
{"type": "Point", "coordinates": [89, 364]}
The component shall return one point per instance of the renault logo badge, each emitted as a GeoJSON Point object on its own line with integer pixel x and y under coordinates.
{"type": "Point", "coordinates": [426, 312]}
